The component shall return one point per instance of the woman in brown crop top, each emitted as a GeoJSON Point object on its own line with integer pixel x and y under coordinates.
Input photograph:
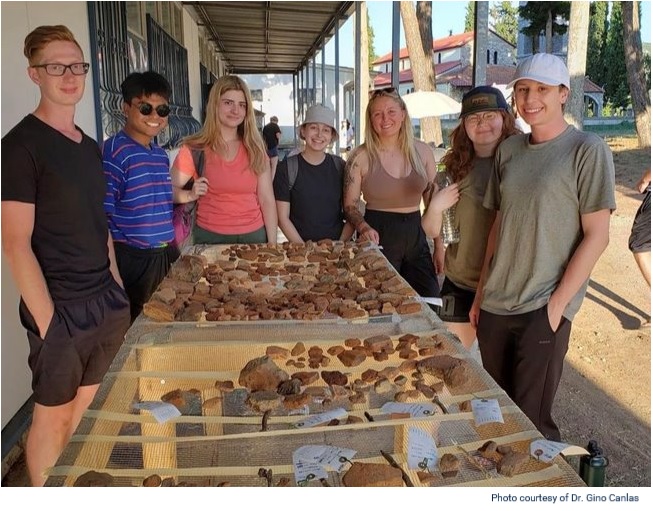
{"type": "Point", "coordinates": [394, 172]}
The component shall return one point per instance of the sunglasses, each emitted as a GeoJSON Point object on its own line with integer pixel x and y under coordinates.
{"type": "Point", "coordinates": [161, 110]}
{"type": "Point", "coordinates": [78, 68]}
{"type": "Point", "coordinates": [385, 91]}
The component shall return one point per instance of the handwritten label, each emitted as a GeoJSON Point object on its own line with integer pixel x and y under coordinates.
{"type": "Point", "coordinates": [546, 450]}
{"type": "Point", "coordinates": [422, 452]}
{"type": "Point", "coordinates": [312, 461]}
{"type": "Point", "coordinates": [162, 412]}
{"type": "Point", "coordinates": [486, 411]}
{"type": "Point", "coordinates": [414, 409]}
{"type": "Point", "coordinates": [321, 418]}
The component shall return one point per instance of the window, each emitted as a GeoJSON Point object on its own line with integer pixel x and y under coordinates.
{"type": "Point", "coordinates": [167, 14]}
{"type": "Point", "coordinates": [136, 18]}
{"type": "Point", "coordinates": [439, 58]}
{"type": "Point", "coordinates": [257, 94]}
{"type": "Point", "coordinates": [488, 56]}
{"type": "Point", "coordinates": [495, 58]}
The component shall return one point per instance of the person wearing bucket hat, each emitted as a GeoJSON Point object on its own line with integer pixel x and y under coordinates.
{"type": "Point", "coordinates": [308, 186]}
{"type": "Point", "coordinates": [394, 172]}
{"type": "Point", "coordinates": [485, 121]}
{"type": "Point", "coordinates": [553, 193]}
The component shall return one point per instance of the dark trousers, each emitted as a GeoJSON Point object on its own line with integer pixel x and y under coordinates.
{"type": "Point", "coordinates": [405, 246]}
{"type": "Point", "coordinates": [525, 357]}
{"type": "Point", "coordinates": [142, 270]}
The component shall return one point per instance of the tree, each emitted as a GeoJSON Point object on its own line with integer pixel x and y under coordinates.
{"type": "Point", "coordinates": [504, 21]}
{"type": "Point", "coordinates": [421, 62]}
{"type": "Point", "coordinates": [579, 20]}
{"type": "Point", "coordinates": [469, 17]}
{"type": "Point", "coordinates": [616, 81]}
{"type": "Point", "coordinates": [543, 17]}
{"type": "Point", "coordinates": [636, 79]}
{"type": "Point", "coordinates": [371, 53]}
{"type": "Point", "coordinates": [596, 42]}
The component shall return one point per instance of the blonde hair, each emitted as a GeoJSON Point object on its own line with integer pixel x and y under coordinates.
{"type": "Point", "coordinates": [41, 36]}
{"type": "Point", "coordinates": [211, 134]}
{"type": "Point", "coordinates": [406, 137]}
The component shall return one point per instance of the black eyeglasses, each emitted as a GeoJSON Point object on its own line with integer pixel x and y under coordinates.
{"type": "Point", "coordinates": [78, 68]}
{"type": "Point", "coordinates": [161, 110]}
{"type": "Point", "coordinates": [390, 91]}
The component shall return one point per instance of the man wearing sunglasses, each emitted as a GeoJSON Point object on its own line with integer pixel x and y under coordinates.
{"type": "Point", "coordinates": [138, 202]}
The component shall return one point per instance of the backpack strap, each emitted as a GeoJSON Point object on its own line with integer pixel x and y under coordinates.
{"type": "Point", "coordinates": [338, 162]}
{"type": "Point", "coordinates": [293, 170]}
{"type": "Point", "coordinates": [198, 160]}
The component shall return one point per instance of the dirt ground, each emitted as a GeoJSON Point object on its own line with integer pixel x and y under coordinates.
{"type": "Point", "coordinates": [605, 393]}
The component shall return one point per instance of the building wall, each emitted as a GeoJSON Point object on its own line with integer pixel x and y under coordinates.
{"type": "Point", "coordinates": [19, 97]}
{"type": "Point", "coordinates": [192, 44]}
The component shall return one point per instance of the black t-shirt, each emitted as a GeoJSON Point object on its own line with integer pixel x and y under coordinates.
{"type": "Point", "coordinates": [270, 131]}
{"type": "Point", "coordinates": [65, 182]}
{"type": "Point", "coordinates": [315, 199]}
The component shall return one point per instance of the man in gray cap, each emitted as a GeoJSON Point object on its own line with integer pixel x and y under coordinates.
{"type": "Point", "coordinates": [553, 192]}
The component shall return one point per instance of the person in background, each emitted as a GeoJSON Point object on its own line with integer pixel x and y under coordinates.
{"type": "Point", "coordinates": [58, 246]}
{"type": "Point", "coordinates": [394, 172]}
{"type": "Point", "coordinates": [553, 192]}
{"type": "Point", "coordinates": [138, 202]}
{"type": "Point", "coordinates": [310, 208]}
{"type": "Point", "coordinates": [485, 121]}
{"type": "Point", "coordinates": [639, 242]}
{"type": "Point", "coordinates": [346, 139]}
{"type": "Point", "coordinates": [235, 197]}
{"type": "Point", "coordinates": [272, 137]}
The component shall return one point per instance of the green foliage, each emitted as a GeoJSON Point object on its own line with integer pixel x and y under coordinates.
{"type": "Point", "coordinates": [616, 77]}
{"type": "Point", "coordinates": [504, 20]}
{"type": "Point", "coordinates": [371, 53]}
{"type": "Point", "coordinates": [537, 13]}
{"type": "Point", "coordinates": [596, 42]}
{"type": "Point", "coordinates": [469, 17]}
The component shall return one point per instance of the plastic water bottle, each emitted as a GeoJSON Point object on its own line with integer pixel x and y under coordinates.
{"type": "Point", "coordinates": [592, 465]}
{"type": "Point", "coordinates": [450, 233]}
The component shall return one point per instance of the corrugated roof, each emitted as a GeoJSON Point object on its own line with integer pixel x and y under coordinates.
{"type": "Point", "coordinates": [270, 37]}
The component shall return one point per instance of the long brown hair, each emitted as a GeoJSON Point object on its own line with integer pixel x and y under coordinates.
{"type": "Point", "coordinates": [211, 135]}
{"type": "Point", "coordinates": [459, 160]}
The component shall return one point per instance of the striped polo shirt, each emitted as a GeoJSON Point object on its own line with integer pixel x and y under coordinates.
{"type": "Point", "coordinates": [138, 202]}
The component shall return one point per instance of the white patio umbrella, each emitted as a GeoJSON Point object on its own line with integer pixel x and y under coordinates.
{"type": "Point", "coordinates": [422, 104]}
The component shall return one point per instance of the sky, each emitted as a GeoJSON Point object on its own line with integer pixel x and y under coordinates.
{"type": "Point", "coordinates": [446, 16]}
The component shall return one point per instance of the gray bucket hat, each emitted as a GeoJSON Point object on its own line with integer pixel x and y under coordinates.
{"type": "Point", "coordinates": [320, 114]}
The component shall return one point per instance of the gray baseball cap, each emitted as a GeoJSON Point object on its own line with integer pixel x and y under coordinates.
{"type": "Point", "coordinates": [544, 68]}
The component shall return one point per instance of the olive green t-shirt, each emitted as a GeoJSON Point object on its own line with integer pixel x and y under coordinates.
{"type": "Point", "coordinates": [542, 190]}
{"type": "Point", "coordinates": [464, 260]}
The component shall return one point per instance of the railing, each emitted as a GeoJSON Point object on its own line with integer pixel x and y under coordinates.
{"type": "Point", "coordinates": [170, 59]}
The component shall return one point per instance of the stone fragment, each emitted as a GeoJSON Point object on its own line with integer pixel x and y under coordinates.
{"type": "Point", "coordinates": [334, 378]}
{"type": "Point", "coordinates": [372, 475]}
{"type": "Point", "coordinates": [152, 481]}
{"type": "Point", "coordinates": [408, 354]}
{"type": "Point", "coordinates": [277, 353]}
{"type": "Point", "coordinates": [93, 478]}
{"type": "Point", "coordinates": [378, 343]}
{"type": "Point", "coordinates": [335, 350]}
{"type": "Point", "coordinates": [401, 397]}
{"type": "Point", "coordinates": [166, 295]}
{"type": "Point", "coordinates": [306, 377]}
{"type": "Point", "coordinates": [369, 375]}
{"type": "Point", "coordinates": [488, 448]}
{"type": "Point", "coordinates": [289, 387]}
{"type": "Point", "coordinates": [213, 402]}
{"type": "Point", "coordinates": [449, 465]}
{"type": "Point", "coordinates": [353, 342]}
{"type": "Point", "coordinates": [159, 311]}
{"type": "Point", "coordinates": [425, 390]}
{"type": "Point", "coordinates": [298, 349]}
{"type": "Point", "coordinates": [409, 308]}
{"type": "Point", "coordinates": [389, 373]}
{"type": "Point", "coordinates": [224, 386]}
{"type": "Point", "coordinates": [381, 356]}
{"type": "Point", "coordinates": [357, 398]}
{"type": "Point", "coordinates": [426, 478]}
{"type": "Point", "coordinates": [263, 400]}
{"type": "Point", "coordinates": [351, 358]}
{"type": "Point", "coordinates": [383, 386]}
{"type": "Point", "coordinates": [353, 419]}
{"type": "Point", "coordinates": [400, 380]}
{"type": "Point", "coordinates": [504, 449]}
{"type": "Point", "coordinates": [510, 464]}
{"type": "Point", "coordinates": [296, 401]}
{"type": "Point", "coordinates": [261, 374]}
{"type": "Point", "coordinates": [407, 366]}
{"type": "Point", "coordinates": [450, 369]}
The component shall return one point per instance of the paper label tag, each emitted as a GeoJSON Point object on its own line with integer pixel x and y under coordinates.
{"type": "Point", "coordinates": [307, 471]}
{"type": "Point", "coordinates": [321, 418]}
{"type": "Point", "coordinates": [161, 411]}
{"type": "Point", "coordinates": [422, 452]}
{"type": "Point", "coordinates": [311, 461]}
{"type": "Point", "coordinates": [414, 409]}
{"type": "Point", "coordinates": [486, 411]}
{"type": "Point", "coordinates": [433, 301]}
{"type": "Point", "coordinates": [546, 450]}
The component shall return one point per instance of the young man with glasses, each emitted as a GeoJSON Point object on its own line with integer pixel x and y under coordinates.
{"type": "Point", "coordinates": [553, 192]}
{"type": "Point", "coordinates": [138, 202]}
{"type": "Point", "coordinates": [59, 249]}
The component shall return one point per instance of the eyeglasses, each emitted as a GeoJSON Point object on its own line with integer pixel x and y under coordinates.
{"type": "Point", "coordinates": [161, 110]}
{"type": "Point", "coordinates": [389, 91]}
{"type": "Point", "coordinates": [485, 116]}
{"type": "Point", "coordinates": [78, 68]}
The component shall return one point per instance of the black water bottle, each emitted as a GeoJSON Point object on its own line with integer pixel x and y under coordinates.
{"type": "Point", "coordinates": [592, 465]}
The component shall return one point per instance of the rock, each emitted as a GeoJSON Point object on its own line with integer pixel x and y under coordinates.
{"type": "Point", "coordinates": [188, 402]}
{"type": "Point", "coordinates": [213, 402]}
{"type": "Point", "coordinates": [152, 481]}
{"type": "Point", "coordinates": [449, 465]}
{"type": "Point", "coordinates": [504, 449]}
{"type": "Point", "coordinates": [383, 386]}
{"type": "Point", "coordinates": [353, 419]}
{"type": "Point", "coordinates": [353, 342]}
{"type": "Point", "coordinates": [93, 478]}
{"type": "Point", "coordinates": [277, 353]}
{"type": "Point", "coordinates": [224, 386]}
{"type": "Point", "coordinates": [379, 343]}
{"type": "Point", "coordinates": [351, 358]}
{"type": "Point", "coordinates": [389, 373]}
{"type": "Point", "coordinates": [427, 352]}
{"type": "Point", "coordinates": [488, 448]}
{"type": "Point", "coordinates": [409, 308]}
{"type": "Point", "coordinates": [407, 366]}
{"type": "Point", "coordinates": [166, 295]}
{"type": "Point", "coordinates": [159, 311]}
{"type": "Point", "coordinates": [334, 378]}
{"type": "Point", "coordinates": [401, 397]}
{"type": "Point", "coordinates": [511, 463]}
{"type": "Point", "coordinates": [425, 390]}
{"type": "Point", "coordinates": [296, 401]}
{"type": "Point", "coordinates": [369, 375]}
{"type": "Point", "coordinates": [400, 380]}
{"type": "Point", "coordinates": [335, 350]}
{"type": "Point", "coordinates": [372, 475]}
{"type": "Point", "coordinates": [408, 354]}
{"type": "Point", "coordinates": [263, 400]}
{"type": "Point", "coordinates": [261, 374]}
{"type": "Point", "coordinates": [426, 478]}
{"type": "Point", "coordinates": [465, 406]}
{"type": "Point", "coordinates": [306, 377]}
{"type": "Point", "coordinates": [315, 352]}
{"type": "Point", "coordinates": [188, 268]}
{"type": "Point", "coordinates": [290, 387]}
{"type": "Point", "coordinates": [409, 338]}
{"type": "Point", "coordinates": [298, 349]}
{"type": "Point", "coordinates": [357, 398]}
{"type": "Point", "coordinates": [450, 369]}
{"type": "Point", "coordinates": [381, 356]}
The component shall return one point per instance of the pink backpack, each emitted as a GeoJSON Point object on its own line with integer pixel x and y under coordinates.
{"type": "Point", "coordinates": [183, 215]}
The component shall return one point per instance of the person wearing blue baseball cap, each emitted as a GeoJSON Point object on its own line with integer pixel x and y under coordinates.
{"type": "Point", "coordinates": [485, 121]}
{"type": "Point", "coordinates": [553, 192]}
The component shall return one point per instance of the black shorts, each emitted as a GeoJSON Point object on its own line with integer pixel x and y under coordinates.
{"type": "Point", "coordinates": [640, 235]}
{"type": "Point", "coordinates": [142, 270]}
{"type": "Point", "coordinates": [273, 152]}
{"type": "Point", "coordinates": [79, 345]}
{"type": "Point", "coordinates": [456, 303]}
